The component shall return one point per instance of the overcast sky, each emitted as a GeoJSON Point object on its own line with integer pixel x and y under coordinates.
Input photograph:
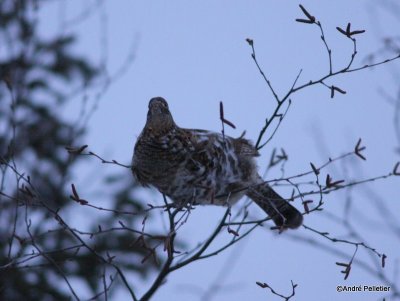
{"type": "Point", "coordinates": [195, 55]}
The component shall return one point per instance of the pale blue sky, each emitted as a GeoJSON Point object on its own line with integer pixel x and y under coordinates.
{"type": "Point", "coordinates": [194, 54]}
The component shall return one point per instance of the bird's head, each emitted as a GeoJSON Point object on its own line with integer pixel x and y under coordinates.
{"type": "Point", "coordinates": [159, 117]}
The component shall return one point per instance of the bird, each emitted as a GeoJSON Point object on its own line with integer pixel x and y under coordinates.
{"type": "Point", "coordinates": [196, 166]}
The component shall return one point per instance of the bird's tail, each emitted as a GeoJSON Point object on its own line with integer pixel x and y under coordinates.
{"type": "Point", "coordinates": [279, 210]}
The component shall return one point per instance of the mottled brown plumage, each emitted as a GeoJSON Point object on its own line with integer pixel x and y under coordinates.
{"type": "Point", "coordinates": [202, 167]}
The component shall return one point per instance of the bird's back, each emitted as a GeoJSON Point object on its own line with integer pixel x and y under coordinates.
{"type": "Point", "coordinates": [195, 166]}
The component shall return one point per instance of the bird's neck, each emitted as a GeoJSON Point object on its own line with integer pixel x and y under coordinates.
{"type": "Point", "coordinates": [160, 126]}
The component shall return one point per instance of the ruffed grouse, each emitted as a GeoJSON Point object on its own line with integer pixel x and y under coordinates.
{"type": "Point", "coordinates": [202, 167]}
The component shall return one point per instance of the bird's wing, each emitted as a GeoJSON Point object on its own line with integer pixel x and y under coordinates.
{"type": "Point", "coordinates": [244, 147]}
